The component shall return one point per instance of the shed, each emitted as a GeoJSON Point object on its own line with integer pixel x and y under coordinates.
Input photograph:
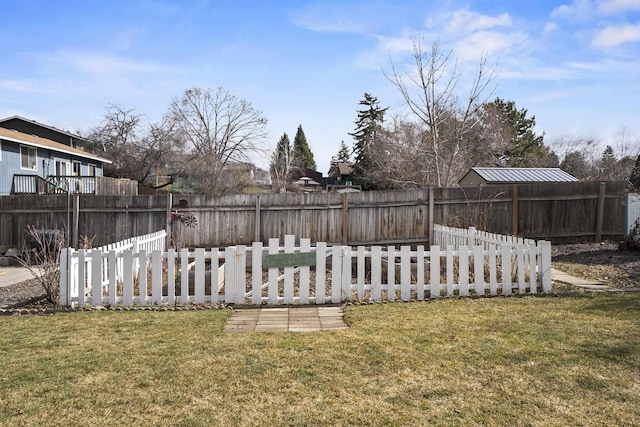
{"type": "Point", "coordinates": [479, 175]}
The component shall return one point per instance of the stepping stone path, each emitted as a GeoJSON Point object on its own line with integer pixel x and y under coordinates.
{"type": "Point", "coordinates": [285, 319]}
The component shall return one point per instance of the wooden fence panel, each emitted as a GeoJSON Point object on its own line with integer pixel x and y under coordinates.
{"type": "Point", "coordinates": [569, 211]}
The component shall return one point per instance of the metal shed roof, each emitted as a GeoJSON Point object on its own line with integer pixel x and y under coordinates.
{"type": "Point", "coordinates": [515, 175]}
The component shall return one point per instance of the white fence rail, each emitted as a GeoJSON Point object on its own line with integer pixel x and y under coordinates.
{"type": "Point", "coordinates": [304, 274]}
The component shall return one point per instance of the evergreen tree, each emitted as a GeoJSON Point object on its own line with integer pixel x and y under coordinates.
{"type": "Point", "coordinates": [302, 155]}
{"type": "Point", "coordinates": [368, 126]}
{"type": "Point", "coordinates": [608, 164]}
{"type": "Point", "coordinates": [342, 156]}
{"type": "Point", "coordinates": [525, 148]}
{"type": "Point", "coordinates": [281, 159]}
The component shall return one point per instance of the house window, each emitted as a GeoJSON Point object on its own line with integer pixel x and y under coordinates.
{"type": "Point", "coordinates": [28, 158]}
{"type": "Point", "coordinates": [92, 170]}
{"type": "Point", "coordinates": [76, 168]}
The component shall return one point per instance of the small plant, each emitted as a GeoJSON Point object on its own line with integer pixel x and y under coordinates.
{"type": "Point", "coordinates": [42, 259]}
{"type": "Point", "coordinates": [632, 241]}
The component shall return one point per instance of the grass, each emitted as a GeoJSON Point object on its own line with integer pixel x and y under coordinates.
{"type": "Point", "coordinates": [499, 361]}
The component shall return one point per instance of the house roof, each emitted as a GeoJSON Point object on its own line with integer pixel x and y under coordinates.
{"type": "Point", "coordinates": [64, 132]}
{"type": "Point", "coordinates": [517, 175]}
{"type": "Point", "coordinates": [345, 169]}
{"type": "Point", "coordinates": [36, 141]}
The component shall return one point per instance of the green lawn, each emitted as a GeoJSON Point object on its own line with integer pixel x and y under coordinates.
{"type": "Point", "coordinates": [495, 361]}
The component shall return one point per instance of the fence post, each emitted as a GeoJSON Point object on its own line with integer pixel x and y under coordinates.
{"type": "Point", "coordinates": [514, 210]}
{"type": "Point", "coordinates": [545, 265]}
{"type": "Point", "coordinates": [229, 273]}
{"type": "Point", "coordinates": [257, 224]}
{"type": "Point", "coordinates": [431, 213]}
{"type": "Point", "coordinates": [600, 218]}
{"type": "Point", "coordinates": [64, 277]}
{"type": "Point", "coordinates": [345, 218]}
{"type": "Point", "coordinates": [239, 283]}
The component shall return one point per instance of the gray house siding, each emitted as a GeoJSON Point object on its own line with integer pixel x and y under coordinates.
{"type": "Point", "coordinates": [10, 164]}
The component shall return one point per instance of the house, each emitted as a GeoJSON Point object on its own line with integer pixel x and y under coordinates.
{"type": "Point", "coordinates": [31, 127]}
{"type": "Point", "coordinates": [31, 164]}
{"type": "Point", "coordinates": [493, 175]}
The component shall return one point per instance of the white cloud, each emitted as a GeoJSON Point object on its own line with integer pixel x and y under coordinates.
{"type": "Point", "coordinates": [616, 6]}
{"type": "Point", "coordinates": [577, 10]}
{"type": "Point", "coordinates": [468, 21]}
{"type": "Point", "coordinates": [100, 64]}
{"type": "Point", "coordinates": [590, 9]}
{"type": "Point", "coordinates": [550, 27]}
{"type": "Point", "coordinates": [616, 35]}
{"type": "Point", "coordinates": [490, 43]}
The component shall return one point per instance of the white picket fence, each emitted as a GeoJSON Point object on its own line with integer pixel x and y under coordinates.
{"type": "Point", "coordinates": [75, 264]}
{"type": "Point", "coordinates": [302, 274]}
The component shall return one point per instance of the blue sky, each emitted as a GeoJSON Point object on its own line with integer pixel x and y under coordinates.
{"type": "Point", "coordinates": [574, 64]}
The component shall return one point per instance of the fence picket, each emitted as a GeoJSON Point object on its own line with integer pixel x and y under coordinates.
{"type": "Point", "coordinates": [171, 276]}
{"type": "Point", "coordinates": [434, 282]}
{"type": "Point", "coordinates": [450, 271]}
{"type": "Point", "coordinates": [199, 276]}
{"type": "Point", "coordinates": [463, 268]}
{"type": "Point", "coordinates": [113, 280]}
{"type": "Point", "coordinates": [478, 270]}
{"type": "Point", "coordinates": [391, 273]}
{"type": "Point", "coordinates": [321, 267]}
{"type": "Point", "coordinates": [345, 279]}
{"type": "Point", "coordinates": [156, 279]}
{"type": "Point", "coordinates": [96, 277]}
{"type": "Point", "coordinates": [533, 287]}
{"type": "Point", "coordinates": [506, 269]}
{"type": "Point", "coordinates": [522, 284]}
{"type": "Point", "coordinates": [360, 277]}
{"type": "Point", "coordinates": [336, 275]}
{"type": "Point", "coordinates": [493, 271]}
{"type": "Point", "coordinates": [420, 289]}
{"type": "Point", "coordinates": [376, 273]}
{"type": "Point", "coordinates": [184, 275]}
{"type": "Point", "coordinates": [289, 247]}
{"type": "Point", "coordinates": [304, 274]}
{"type": "Point", "coordinates": [273, 273]}
{"type": "Point", "coordinates": [405, 273]}
{"type": "Point", "coordinates": [142, 276]}
{"type": "Point", "coordinates": [127, 277]}
{"type": "Point", "coordinates": [239, 282]}
{"type": "Point", "coordinates": [256, 274]}
{"type": "Point", "coordinates": [81, 282]}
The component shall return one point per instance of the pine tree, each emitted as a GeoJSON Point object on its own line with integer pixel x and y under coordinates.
{"type": "Point", "coordinates": [302, 155]}
{"type": "Point", "coordinates": [525, 148]}
{"type": "Point", "coordinates": [342, 156]}
{"type": "Point", "coordinates": [281, 159]}
{"type": "Point", "coordinates": [608, 163]}
{"type": "Point", "coordinates": [368, 125]}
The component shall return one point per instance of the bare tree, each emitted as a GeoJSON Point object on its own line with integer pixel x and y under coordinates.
{"type": "Point", "coordinates": [221, 130]}
{"type": "Point", "coordinates": [430, 91]}
{"type": "Point", "coordinates": [137, 149]}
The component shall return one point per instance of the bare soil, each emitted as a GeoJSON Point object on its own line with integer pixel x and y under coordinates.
{"type": "Point", "coordinates": [603, 262]}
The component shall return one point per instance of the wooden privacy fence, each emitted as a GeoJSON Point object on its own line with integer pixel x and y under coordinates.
{"type": "Point", "coordinates": [559, 212]}
{"type": "Point", "coordinates": [301, 275]}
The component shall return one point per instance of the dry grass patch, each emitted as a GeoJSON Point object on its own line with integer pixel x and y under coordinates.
{"type": "Point", "coordinates": [502, 361]}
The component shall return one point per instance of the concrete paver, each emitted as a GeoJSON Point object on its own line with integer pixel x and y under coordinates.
{"type": "Point", "coordinates": [283, 319]}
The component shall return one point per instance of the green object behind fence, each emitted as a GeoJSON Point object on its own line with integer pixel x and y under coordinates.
{"type": "Point", "coordinates": [289, 260]}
